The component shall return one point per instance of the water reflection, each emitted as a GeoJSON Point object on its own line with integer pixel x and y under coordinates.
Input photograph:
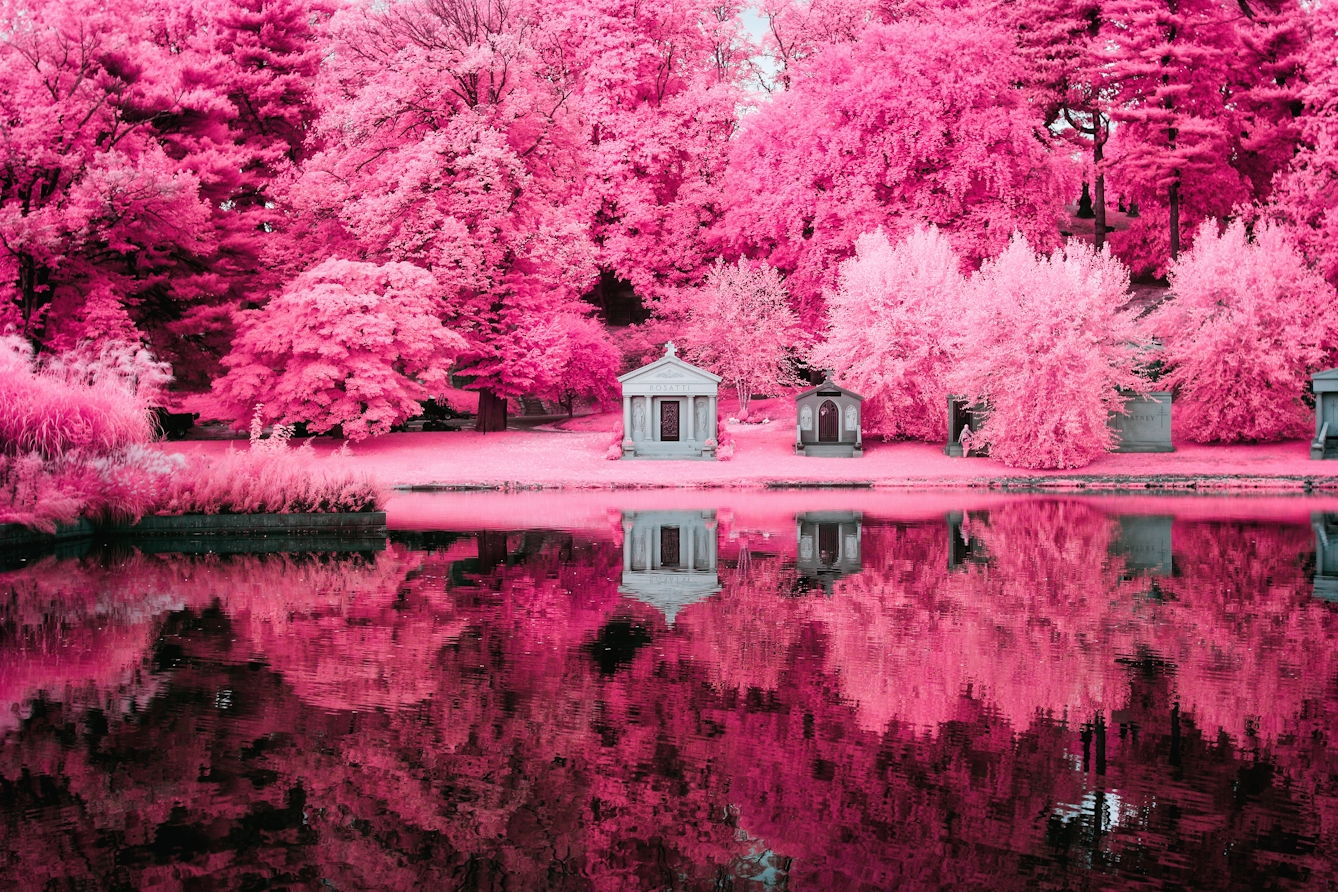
{"type": "Point", "coordinates": [669, 558]}
{"type": "Point", "coordinates": [1032, 694]}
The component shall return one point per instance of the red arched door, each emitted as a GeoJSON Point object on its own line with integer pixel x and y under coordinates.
{"type": "Point", "coordinates": [829, 422]}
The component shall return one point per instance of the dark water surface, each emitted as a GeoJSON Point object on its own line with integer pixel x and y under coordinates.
{"type": "Point", "coordinates": [788, 693]}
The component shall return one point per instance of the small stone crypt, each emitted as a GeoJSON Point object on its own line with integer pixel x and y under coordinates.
{"type": "Point", "coordinates": [669, 410]}
{"type": "Point", "coordinates": [1325, 385]}
{"type": "Point", "coordinates": [828, 421]}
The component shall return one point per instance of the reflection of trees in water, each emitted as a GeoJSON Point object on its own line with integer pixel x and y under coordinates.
{"type": "Point", "coordinates": [404, 720]}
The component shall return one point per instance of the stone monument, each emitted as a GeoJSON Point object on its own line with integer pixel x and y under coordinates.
{"type": "Point", "coordinates": [828, 421]}
{"type": "Point", "coordinates": [669, 410]}
{"type": "Point", "coordinates": [1147, 426]}
{"type": "Point", "coordinates": [669, 558]}
{"type": "Point", "coordinates": [963, 416]}
{"type": "Point", "coordinates": [1325, 385]}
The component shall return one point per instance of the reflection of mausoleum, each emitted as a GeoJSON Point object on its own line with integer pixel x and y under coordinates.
{"type": "Point", "coordinates": [1326, 555]}
{"type": "Point", "coordinates": [669, 558]}
{"type": "Point", "coordinates": [829, 545]}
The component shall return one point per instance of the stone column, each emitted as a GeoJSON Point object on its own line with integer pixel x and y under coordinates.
{"type": "Point", "coordinates": [711, 413]}
{"type": "Point", "coordinates": [691, 405]}
{"type": "Point", "coordinates": [691, 554]}
{"type": "Point", "coordinates": [627, 417]}
{"type": "Point", "coordinates": [627, 544]}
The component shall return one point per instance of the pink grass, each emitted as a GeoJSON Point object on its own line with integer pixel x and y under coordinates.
{"type": "Point", "coordinates": [44, 414]}
{"type": "Point", "coordinates": [265, 482]}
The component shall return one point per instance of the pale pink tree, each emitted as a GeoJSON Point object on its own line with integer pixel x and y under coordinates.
{"type": "Point", "coordinates": [348, 344]}
{"type": "Point", "coordinates": [920, 121]}
{"type": "Point", "coordinates": [740, 326]}
{"type": "Point", "coordinates": [1248, 323]}
{"type": "Point", "coordinates": [889, 329]}
{"type": "Point", "coordinates": [1047, 346]}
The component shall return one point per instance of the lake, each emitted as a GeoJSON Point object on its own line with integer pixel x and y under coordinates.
{"type": "Point", "coordinates": [689, 690]}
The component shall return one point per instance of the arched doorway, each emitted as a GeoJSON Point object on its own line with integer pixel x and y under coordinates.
{"type": "Point", "coordinates": [829, 422]}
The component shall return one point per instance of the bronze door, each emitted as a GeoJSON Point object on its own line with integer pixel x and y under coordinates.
{"type": "Point", "coordinates": [668, 546]}
{"type": "Point", "coordinates": [669, 421]}
{"type": "Point", "coordinates": [829, 543]}
{"type": "Point", "coordinates": [829, 423]}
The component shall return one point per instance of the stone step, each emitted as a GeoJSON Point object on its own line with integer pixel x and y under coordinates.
{"type": "Point", "coordinates": [829, 450]}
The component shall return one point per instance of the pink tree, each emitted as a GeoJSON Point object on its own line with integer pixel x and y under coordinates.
{"type": "Point", "coordinates": [655, 88]}
{"type": "Point", "coordinates": [446, 141]}
{"type": "Point", "coordinates": [582, 364]}
{"type": "Point", "coordinates": [915, 122]}
{"type": "Point", "coordinates": [1248, 323]}
{"type": "Point", "coordinates": [1170, 66]}
{"type": "Point", "coordinates": [1307, 197]}
{"type": "Point", "coordinates": [740, 326]}
{"type": "Point", "coordinates": [135, 199]}
{"type": "Point", "coordinates": [889, 331]}
{"type": "Point", "coordinates": [89, 199]}
{"type": "Point", "coordinates": [1045, 344]}
{"type": "Point", "coordinates": [348, 343]}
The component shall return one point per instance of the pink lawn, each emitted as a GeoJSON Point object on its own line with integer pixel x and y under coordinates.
{"type": "Point", "coordinates": [764, 456]}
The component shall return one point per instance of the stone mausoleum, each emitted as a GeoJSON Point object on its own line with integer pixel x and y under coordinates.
{"type": "Point", "coordinates": [1325, 385]}
{"type": "Point", "coordinates": [828, 421]}
{"type": "Point", "coordinates": [669, 410]}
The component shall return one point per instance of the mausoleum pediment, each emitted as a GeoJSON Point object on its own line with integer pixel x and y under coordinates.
{"type": "Point", "coordinates": [669, 368]}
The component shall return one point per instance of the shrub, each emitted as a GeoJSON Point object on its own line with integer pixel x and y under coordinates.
{"type": "Point", "coordinates": [1045, 344]}
{"type": "Point", "coordinates": [1248, 323]}
{"type": "Point", "coordinates": [346, 343]}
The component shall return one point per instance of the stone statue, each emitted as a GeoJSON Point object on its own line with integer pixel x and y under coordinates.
{"type": "Point", "coordinates": [638, 418]}
{"type": "Point", "coordinates": [701, 419]}
{"type": "Point", "coordinates": [852, 418]}
{"type": "Point", "coordinates": [806, 418]}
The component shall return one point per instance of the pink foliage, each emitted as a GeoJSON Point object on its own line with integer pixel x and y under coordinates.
{"type": "Point", "coordinates": [42, 412]}
{"type": "Point", "coordinates": [347, 343]}
{"type": "Point", "coordinates": [144, 139]}
{"type": "Point", "coordinates": [582, 363]}
{"type": "Point", "coordinates": [446, 141]}
{"type": "Point", "coordinates": [1248, 323]}
{"type": "Point", "coordinates": [656, 91]}
{"type": "Point", "coordinates": [740, 326]}
{"type": "Point", "coordinates": [915, 122]}
{"type": "Point", "coordinates": [1044, 343]}
{"type": "Point", "coordinates": [889, 331]}
{"type": "Point", "coordinates": [1307, 196]}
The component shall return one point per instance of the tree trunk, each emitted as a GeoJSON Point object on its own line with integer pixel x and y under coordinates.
{"type": "Point", "coordinates": [1174, 201]}
{"type": "Point", "coordinates": [1099, 198]}
{"type": "Point", "coordinates": [492, 412]}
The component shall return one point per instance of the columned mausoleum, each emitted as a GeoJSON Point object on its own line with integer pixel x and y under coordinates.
{"type": "Point", "coordinates": [669, 410]}
{"type": "Point", "coordinates": [669, 558]}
